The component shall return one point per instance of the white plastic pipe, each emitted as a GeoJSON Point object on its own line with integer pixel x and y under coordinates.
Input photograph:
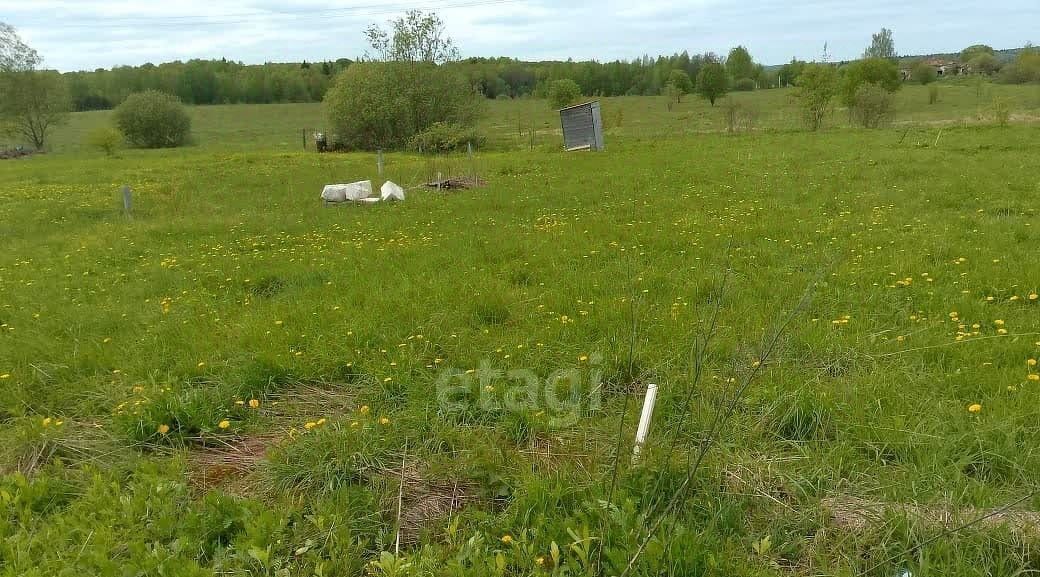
{"type": "Point", "coordinates": [644, 420]}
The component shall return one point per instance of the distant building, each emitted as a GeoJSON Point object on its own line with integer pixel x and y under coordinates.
{"type": "Point", "coordinates": [945, 67]}
{"type": "Point", "coordinates": [942, 68]}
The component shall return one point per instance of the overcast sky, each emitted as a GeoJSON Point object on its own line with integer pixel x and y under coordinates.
{"type": "Point", "coordinates": [88, 34]}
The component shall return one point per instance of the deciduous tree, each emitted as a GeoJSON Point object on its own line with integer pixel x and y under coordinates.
{"type": "Point", "coordinates": [32, 102]}
{"type": "Point", "coordinates": [563, 92]}
{"type": "Point", "coordinates": [739, 64]}
{"type": "Point", "coordinates": [923, 73]}
{"type": "Point", "coordinates": [712, 82]}
{"type": "Point", "coordinates": [408, 85]}
{"type": "Point", "coordinates": [881, 46]}
{"type": "Point", "coordinates": [817, 87]}
{"type": "Point", "coordinates": [680, 84]}
{"type": "Point", "coordinates": [879, 71]}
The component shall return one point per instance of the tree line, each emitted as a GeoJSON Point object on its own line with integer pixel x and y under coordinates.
{"type": "Point", "coordinates": [205, 82]}
{"type": "Point", "coordinates": [227, 82]}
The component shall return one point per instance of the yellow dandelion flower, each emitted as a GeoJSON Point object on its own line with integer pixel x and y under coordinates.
{"type": "Point", "coordinates": [365, 409]}
{"type": "Point", "coordinates": [1034, 297]}
{"type": "Point", "coordinates": [320, 422]}
{"type": "Point", "coordinates": [507, 539]}
{"type": "Point", "coordinates": [999, 323]}
{"type": "Point", "coordinates": [47, 422]}
{"type": "Point", "coordinates": [384, 421]}
{"type": "Point", "coordinates": [1031, 362]}
{"type": "Point", "coordinates": [254, 404]}
{"type": "Point", "coordinates": [5, 376]}
{"type": "Point", "coordinates": [278, 323]}
{"type": "Point", "coordinates": [310, 425]}
{"type": "Point", "coordinates": [1034, 377]}
{"type": "Point", "coordinates": [354, 425]}
{"type": "Point", "coordinates": [976, 408]}
{"type": "Point", "coordinates": [539, 561]}
{"type": "Point", "coordinates": [583, 358]}
{"type": "Point", "coordinates": [1002, 331]}
{"type": "Point", "coordinates": [224, 424]}
{"type": "Point", "coordinates": [163, 429]}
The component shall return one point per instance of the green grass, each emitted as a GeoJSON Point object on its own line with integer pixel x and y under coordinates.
{"type": "Point", "coordinates": [231, 283]}
{"type": "Point", "coordinates": [511, 123]}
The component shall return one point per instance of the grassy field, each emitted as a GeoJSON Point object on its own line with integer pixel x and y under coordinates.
{"type": "Point", "coordinates": [239, 381]}
{"type": "Point", "coordinates": [530, 123]}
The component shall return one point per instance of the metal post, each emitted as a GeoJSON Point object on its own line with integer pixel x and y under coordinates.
{"type": "Point", "coordinates": [379, 161]}
{"type": "Point", "coordinates": [127, 201]}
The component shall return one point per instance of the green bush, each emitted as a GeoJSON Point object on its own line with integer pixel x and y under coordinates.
{"type": "Point", "coordinates": [923, 72]}
{"type": "Point", "coordinates": [153, 119]}
{"type": "Point", "coordinates": [739, 115]}
{"type": "Point", "coordinates": [447, 137]}
{"type": "Point", "coordinates": [879, 71]}
{"type": "Point", "coordinates": [105, 139]}
{"type": "Point", "coordinates": [744, 85]}
{"type": "Point", "coordinates": [817, 86]}
{"type": "Point", "coordinates": [1001, 111]}
{"type": "Point", "coordinates": [385, 104]}
{"type": "Point", "coordinates": [563, 93]}
{"type": "Point", "coordinates": [872, 105]}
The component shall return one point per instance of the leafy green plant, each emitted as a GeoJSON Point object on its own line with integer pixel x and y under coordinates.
{"type": "Point", "coordinates": [153, 119]}
{"type": "Point", "coordinates": [1001, 111]}
{"type": "Point", "coordinates": [105, 139]}
{"type": "Point", "coordinates": [817, 87]}
{"type": "Point", "coordinates": [872, 106]}
{"type": "Point", "coordinates": [563, 93]}
{"type": "Point", "coordinates": [447, 137]}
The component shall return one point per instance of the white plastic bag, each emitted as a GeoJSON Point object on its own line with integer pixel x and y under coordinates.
{"type": "Point", "coordinates": [391, 191]}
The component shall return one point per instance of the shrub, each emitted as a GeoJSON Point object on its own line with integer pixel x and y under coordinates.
{"type": "Point", "coordinates": [817, 86]}
{"type": "Point", "coordinates": [447, 137]}
{"type": "Point", "coordinates": [153, 119]}
{"type": "Point", "coordinates": [872, 105]}
{"type": "Point", "coordinates": [744, 85]}
{"type": "Point", "coordinates": [106, 139]}
{"type": "Point", "coordinates": [563, 93]}
{"type": "Point", "coordinates": [1001, 111]}
{"type": "Point", "coordinates": [984, 64]}
{"type": "Point", "coordinates": [385, 104]}
{"type": "Point", "coordinates": [680, 83]}
{"type": "Point", "coordinates": [739, 115]}
{"type": "Point", "coordinates": [923, 72]}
